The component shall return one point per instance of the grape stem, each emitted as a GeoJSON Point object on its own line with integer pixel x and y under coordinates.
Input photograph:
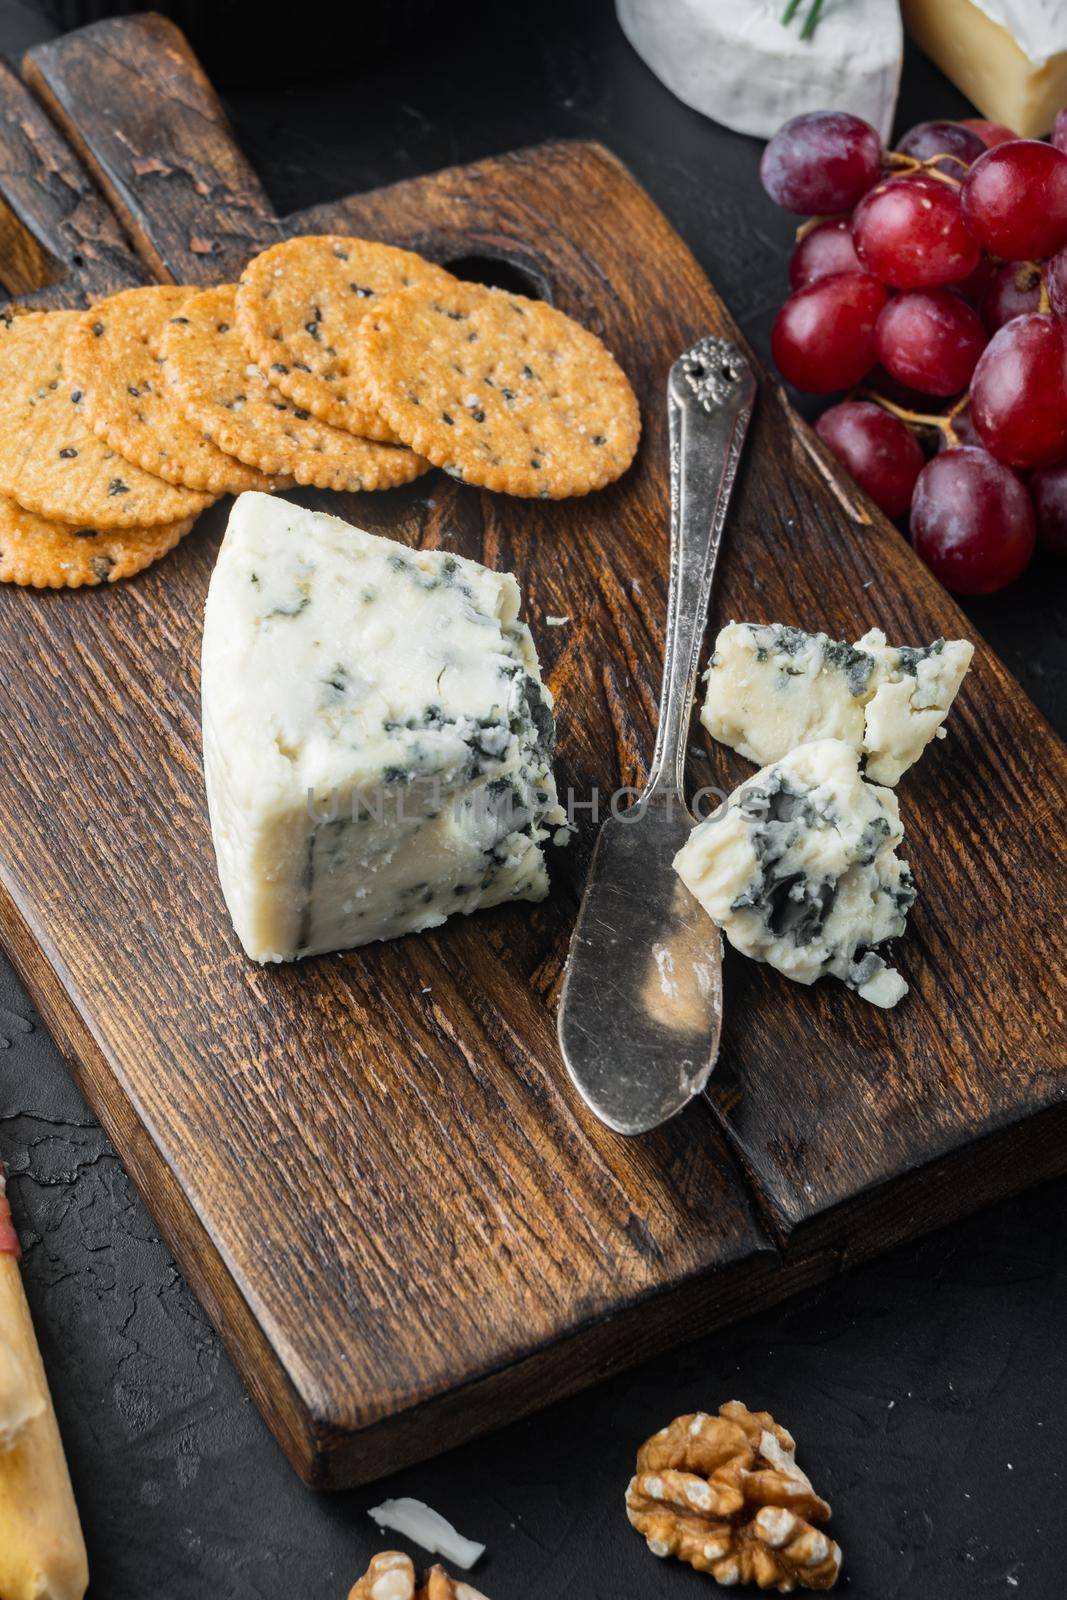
{"type": "Point", "coordinates": [813, 222]}
{"type": "Point", "coordinates": [897, 161]}
{"type": "Point", "coordinates": [917, 420]}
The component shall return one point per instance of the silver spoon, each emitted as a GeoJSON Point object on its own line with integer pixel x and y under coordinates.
{"type": "Point", "coordinates": [641, 1010]}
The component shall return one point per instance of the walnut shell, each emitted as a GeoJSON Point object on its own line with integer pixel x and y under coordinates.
{"type": "Point", "coordinates": [391, 1576]}
{"type": "Point", "coordinates": [724, 1493]}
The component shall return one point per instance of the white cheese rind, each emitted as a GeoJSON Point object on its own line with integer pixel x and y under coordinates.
{"type": "Point", "coordinates": [771, 687]}
{"type": "Point", "coordinates": [1039, 27]}
{"type": "Point", "coordinates": [800, 870]}
{"type": "Point", "coordinates": [377, 739]}
{"type": "Point", "coordinates": [736, 61]}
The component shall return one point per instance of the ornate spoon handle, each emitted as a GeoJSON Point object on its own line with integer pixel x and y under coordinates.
{"type": "Point", "coordinates": [710, 394]}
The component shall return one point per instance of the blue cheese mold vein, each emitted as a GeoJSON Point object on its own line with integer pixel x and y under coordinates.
{"type": "Point", "coordinates": [800, 870]}
{"type": "Point", "coordinates": [771, 687]}
{"type": "Point", "coordinates": [377, 738]}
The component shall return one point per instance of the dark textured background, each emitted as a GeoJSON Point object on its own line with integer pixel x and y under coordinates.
{"type": "Point", "coordinates": [928, 1390]}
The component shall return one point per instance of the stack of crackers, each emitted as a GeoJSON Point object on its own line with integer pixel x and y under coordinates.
{"type": "Point", "coordinates": [335, 362]}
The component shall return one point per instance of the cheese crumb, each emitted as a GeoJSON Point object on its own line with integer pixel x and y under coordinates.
{"type": "Point", "coordinates": [428, 1528]}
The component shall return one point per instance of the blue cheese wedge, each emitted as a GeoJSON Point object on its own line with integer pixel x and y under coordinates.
{"type": "Point", "coordinates": [771, 687]}
{"type": "Point", "coordinates": [377, 738]}
{"type": "Point", "coordinates": [799, 869]}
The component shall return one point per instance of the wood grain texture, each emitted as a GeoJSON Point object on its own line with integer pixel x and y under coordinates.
{"type": "Point", "coordinates": [167, 160]}
{"type": "Point", "coordinates": [60, 244]}
{"type": "Point", "coordinates": [370, 1165]}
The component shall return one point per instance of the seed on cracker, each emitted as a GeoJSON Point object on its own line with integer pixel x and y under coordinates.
{"type": "Point", "coordinates": [111, 357]}
{"type": "Point", "coordinates": [299, 307]}
{"type": "Point", "coordinates": [50, 460]}
{"type": "Point", "coordinates": [225, 393]}
{"type": "Point", "coordinates": [41, 554]}
{"type": "Point", "coordinates": [499, 390]}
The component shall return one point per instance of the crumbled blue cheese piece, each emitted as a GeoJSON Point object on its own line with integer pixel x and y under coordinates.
{"type": "Point", "coordinates": [377, 738]}
{"type": "Point", "coordinates": [771, 687]}
{"type": "Point", "coordinates": [799, 869]}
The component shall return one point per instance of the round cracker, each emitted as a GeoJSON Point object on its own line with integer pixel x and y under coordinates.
{"type": "Point", "coordinates": [207, 368]}
{"type": "Point", "coordinates": [41, 554]}
{"type": "Point", "coordinates": [499, 390]}
{"type": "Point", "coordinates": [50, 460]}
{"type": "Point", "coordinates": [111, 356]}
{"type": "Point", "coordinates": [299, 307]}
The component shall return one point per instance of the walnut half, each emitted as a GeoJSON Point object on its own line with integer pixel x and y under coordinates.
{"type": "Point", "coordinates": [391, 1576]}
{"type": "Point", "coordinates": [725, 1494]}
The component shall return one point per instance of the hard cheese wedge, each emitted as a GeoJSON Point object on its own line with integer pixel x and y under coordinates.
{"type": "Point", "coordinates": [377, 738]}
{"type": "Point", "coordinates": [42, 1553]}
{"type": "Point", "coordinates": [1008, 56]}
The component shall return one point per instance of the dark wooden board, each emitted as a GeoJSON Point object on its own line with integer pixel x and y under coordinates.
{"type": "Point", "coordinates": [389, 1200]}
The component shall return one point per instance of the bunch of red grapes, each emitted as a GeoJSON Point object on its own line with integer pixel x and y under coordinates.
{"type": "Point", "coordinates": [935, 273]}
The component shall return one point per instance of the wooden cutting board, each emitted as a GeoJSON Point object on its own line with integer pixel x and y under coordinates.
{"type": "Point", "coordinates": [371, 1166]}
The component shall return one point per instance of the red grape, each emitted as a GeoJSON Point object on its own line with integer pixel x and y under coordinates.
{"type": "Point", "coordinates": [928, 139]}
{"type": "Point", "coordinates": [823, 337]}
{"type": "Point", "coordinates": [1056, 282]}
{"type": "Point", "coordinates": [1048, 488]}
{"type": "Point", "coordinates": [1015, 200]}
{"type": "Point", "coordinates": [972, 521]}
{"type": "Point", "coordinates": [876, 449]}
{"type": "Point", "coordinates": [825, 250]}
{"type": "Point", "coordinates": [909, 232]}
{"type": "Point", "coordinates": [990, 133]}
{"type": "Point", "coordinates": [1059, 131]}
{"type": "Point", "coordinates": [930, 339]}
{"type": "Point", "coordinates": [975, 284]}
{"type": "Point", "coordinates": [889, 388]}
{"type": "Point", "coordinates": [821, 161]}
{"type": "Point", "coordinates": [1013, 290]}
{"type": "Point", "coordinates": [1019, 392]}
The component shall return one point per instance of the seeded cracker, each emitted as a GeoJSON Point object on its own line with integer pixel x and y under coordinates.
{"type": "Point", "coordinates": [499, 390]}
{"type": "Point", "coordinates": [111, 356]}
{"type": "Point", "coordinates": [299, 307]}
{"type": "Point", "coordinates": [50, 555]}
{"type": "Point", "coordinates": [209, 372]}
{"type": "Point", "coordinates": [50, 460]}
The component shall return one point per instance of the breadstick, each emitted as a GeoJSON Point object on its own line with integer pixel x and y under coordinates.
{"type": "Point", "coordinates": [42, 1552]}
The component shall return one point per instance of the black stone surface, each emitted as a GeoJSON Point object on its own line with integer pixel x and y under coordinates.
{"type": "Point", "coordinates": [928, 1390]}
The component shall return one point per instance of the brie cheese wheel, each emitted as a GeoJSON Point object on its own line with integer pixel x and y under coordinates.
{"type": "Point", "coordinates": [771, 687]}
{"type": "Point", "coordinates": [1008, 56]}
{"type": "Point", "coordinates": [799, 869]}
{"type": "Point", "coordinates": [734, 60]}
{"type": "Point", "coordinates": [377, 738]}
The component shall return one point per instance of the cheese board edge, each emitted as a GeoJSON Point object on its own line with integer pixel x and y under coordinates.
{"type": "Point", "coordinates": [322, 1447]}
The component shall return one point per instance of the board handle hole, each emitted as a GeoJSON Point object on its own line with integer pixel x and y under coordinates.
{"type": "Point", "coordinates": [501, 272]}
